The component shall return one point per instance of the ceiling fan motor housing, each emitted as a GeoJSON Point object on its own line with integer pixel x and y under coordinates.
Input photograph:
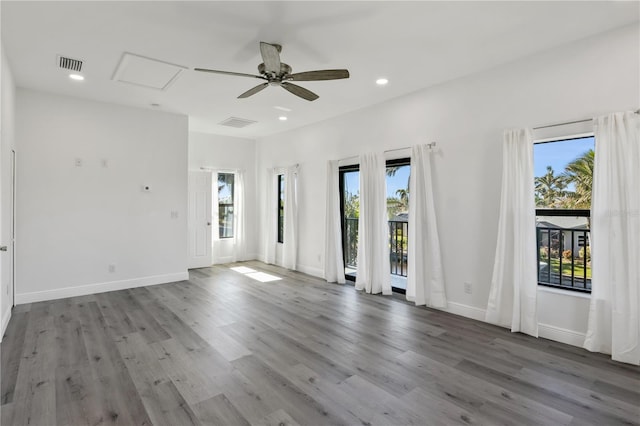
{"type": "Point", "coordinates": [285, 70]}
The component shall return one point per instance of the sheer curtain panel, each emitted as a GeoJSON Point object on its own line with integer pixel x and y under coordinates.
{"type": "Point", "coordinates": [514, 285]}
{"type": "Point", "coordinates": [373, 273]}
{"type": "Point", "coordinates": [240, 235]}
{"type": "Point", "coordinates": [614, 324]}
{"type": "Point", "coordinates": [333, 260]}
{"type": "Point", "coordinates": [425, 281]}
{"type": "Point", "coordinates": [290, 244]}
{"type": "Point", "coordinates": [271, 217]}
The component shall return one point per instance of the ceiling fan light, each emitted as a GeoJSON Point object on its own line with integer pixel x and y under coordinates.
{"type": "Point", "coordinates": [282, 118]}
{"type": "Point", "coordinates": [381, 81]}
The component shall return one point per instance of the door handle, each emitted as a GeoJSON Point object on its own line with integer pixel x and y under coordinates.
{"type": "Point", "coordinates": [3, 248]}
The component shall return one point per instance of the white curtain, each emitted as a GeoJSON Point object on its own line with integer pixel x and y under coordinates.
{"type": "Point", "coordinates": [425, 281]}
{"type": "Point", "coordinates": [614, 324]}
{"type": "Point", "coordinates": [290, 244]}
{"type": "Point", "coordinates": [333, 261]}
{"type": "Point", "coordinates": [514, 286]}
{"type": "Point", "coordinates": [373, 274]}
{"type": "Point", "coordinates": [239, 230]}
{"type": "Point", "coordinates": [270, 216]}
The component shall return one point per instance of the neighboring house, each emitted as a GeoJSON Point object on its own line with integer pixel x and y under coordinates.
{"type": "Point", "coordinates": [571, 228]}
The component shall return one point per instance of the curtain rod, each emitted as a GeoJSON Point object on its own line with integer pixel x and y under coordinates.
{"type": "Point", "coordinates": [571, 122]}
{"type": "Point", "coordinates": [213, 169]}
{"type": "Point", "coordinates": [431, 145]}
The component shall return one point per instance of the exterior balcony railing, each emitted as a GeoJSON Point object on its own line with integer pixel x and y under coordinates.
{"type": "Point", "coordinates": [564, 258]}
{"type": "Point", "coordinates": [398, 239]}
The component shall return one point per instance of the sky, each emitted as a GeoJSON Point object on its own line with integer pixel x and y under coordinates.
{"type": "Point", "coordinates": [399, 181]}
{"type": "Point", "coordinates": [558, 154]}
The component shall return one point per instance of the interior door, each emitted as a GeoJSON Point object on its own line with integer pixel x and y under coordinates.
{"type": "Point", "coordinates": [199, 222]}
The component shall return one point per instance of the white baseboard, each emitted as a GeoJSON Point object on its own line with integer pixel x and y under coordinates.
{"type": "Point", "coordinates": [83, 290]}
{"type": "Point", "coordinates": [310, 270]}
{"type": "Point", "coordinates": [561, 335]}
{"type": "Point", "coordinates": [5, 322]}
{"type": "Point", "coordinates": [223, 260]}
{"type": "Point", "coordinates": [465, 311]}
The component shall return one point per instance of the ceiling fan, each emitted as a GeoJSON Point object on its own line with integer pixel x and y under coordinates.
{"type": "Point", "coordinates": [277, 73]}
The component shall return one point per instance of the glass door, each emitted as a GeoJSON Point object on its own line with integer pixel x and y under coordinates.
{"type": "Point", "coordinates": [350, 212]}
{"type": "Point", "coordinates": [398, 214]}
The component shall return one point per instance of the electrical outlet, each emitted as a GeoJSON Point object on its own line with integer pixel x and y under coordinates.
{"type": "Point", "coordinates": [112, 269]}
{"type": "Point", "coordinates": [78, 162]}
{"type": "Point", "coordinates": [468, 288]}
{"type": "Point", "coordinates": [174, 214]}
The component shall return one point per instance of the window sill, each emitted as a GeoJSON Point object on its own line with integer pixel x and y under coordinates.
{"type": "Point", "coordinates": [564, 292]}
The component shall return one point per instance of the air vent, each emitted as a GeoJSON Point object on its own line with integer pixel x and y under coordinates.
{"type": "Point", "coordinates": [69, 64]}
{"type": "Point", "coordinates": [237, 122]}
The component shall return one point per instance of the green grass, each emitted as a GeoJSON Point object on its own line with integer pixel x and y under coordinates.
{"type": "Point", "coordinates": [578, 268]}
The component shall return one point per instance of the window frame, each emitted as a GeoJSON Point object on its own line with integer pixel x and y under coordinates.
{"type": "Point", "coordinates": [226, 205]}
{"type": "Point", "coordinates": [551, 212]}
{"type": "Point", "coordinates": [405, 161]}
{"type": "Point", "coordinates": [280, 207]}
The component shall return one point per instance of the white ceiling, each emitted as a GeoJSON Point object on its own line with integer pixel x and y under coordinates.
{"type": "Point", "coordinates": [414, 44]}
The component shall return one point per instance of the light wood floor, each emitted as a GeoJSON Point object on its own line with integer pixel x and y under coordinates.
{"type": "Point", "coordinates": [224, 349]}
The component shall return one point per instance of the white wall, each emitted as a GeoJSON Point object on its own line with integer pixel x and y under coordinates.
{"type": "Point", "coordinates": [7, 107]}
{"type": "Point", "coordinates": [229, 153]}
{"type": "Point", "coordinates": [73, 222]}
{"type": "Point", "coordinates": [466, 118]}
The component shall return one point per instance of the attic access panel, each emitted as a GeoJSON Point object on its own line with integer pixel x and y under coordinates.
{"type": "Point", "coordinates": [146, 72]}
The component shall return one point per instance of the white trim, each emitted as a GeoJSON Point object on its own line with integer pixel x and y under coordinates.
{"type": "Point", "coordinates": [223, 260]}
{"type": "Point", "coordinates": [5, 321]}
{"type": "Point", "coordinates": [561, 335]}
{"type": "Point", "coordinates": [83, 290]}
{"type": "Point", "coordinates": [563, 292]}
{"type": "Point", "coordinates": [465, 311]}
{"type": "Point", "coordinates": [310, 270]}
{"type": "Point", "coordinates": [564, 138]}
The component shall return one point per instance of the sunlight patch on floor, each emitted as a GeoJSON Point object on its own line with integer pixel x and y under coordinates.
{"type": "Point", "coordinates": [263, 277]}
{"type": "Point", "coordinates": [243, 269]}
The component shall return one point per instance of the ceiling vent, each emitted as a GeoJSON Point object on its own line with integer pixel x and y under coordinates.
{"type": "Point", "coordinates": [237, 122]}
{"type": "Point", "coordinates": [69, 64]}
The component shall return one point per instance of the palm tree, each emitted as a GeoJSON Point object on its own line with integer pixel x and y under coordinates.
{"type": "Point", "coordinates": [550, 189]}
{"type": "Point", "coordinates": [404, 197]}
{"type": "Point", "coordinates": [580, 173]}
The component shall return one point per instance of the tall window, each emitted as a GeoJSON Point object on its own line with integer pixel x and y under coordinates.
{"type": "Point", "coordinates": [281, 208]}
{"type": "Point", "coordinates": [398, 219]}
{"type": "Point", "coordinates": [225, 204]}
{"type": "Point", "coordinates": [563, 178]}
{"type": "Point", "coordinates": [350, 212]}
{"type": "Point", "coordinates": [398, 172]}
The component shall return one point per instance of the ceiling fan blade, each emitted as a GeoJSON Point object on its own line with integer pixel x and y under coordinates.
{"type": "Point", "coordinates": [253, 91]}
{"type": "Point", "coordinates": [320, 75]}
{"type": "Point", "coordinates": [270, 57]}
{"type": "Point", "coordinates": [300, 91]}
{"type": "Point", "coordinates": [228, 73]}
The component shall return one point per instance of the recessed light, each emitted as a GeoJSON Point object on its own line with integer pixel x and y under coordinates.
{"type": "Point", "coordinates": [381, 81]}
{"type": "Point", "coordinates": [282, 118]}
{"type": "Point", "coordinates": [77, 77]}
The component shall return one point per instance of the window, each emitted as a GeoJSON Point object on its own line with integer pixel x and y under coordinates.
{"type": "Point", "coordinates": [398, 172]}
{"type": "Point", "coordinates": [563, 178]}
{"type": "Point", "coordinates": [349, 177]}
{"type": "Point", "coordinates": [280, 209]}
{"type": "Point", "coordinates": [225, 204]}
{"type": "Point", "coordinates": [398, 218]}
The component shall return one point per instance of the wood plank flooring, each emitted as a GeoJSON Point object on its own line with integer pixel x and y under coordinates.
{"type": "Point", "coordinates": [224, 349]}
